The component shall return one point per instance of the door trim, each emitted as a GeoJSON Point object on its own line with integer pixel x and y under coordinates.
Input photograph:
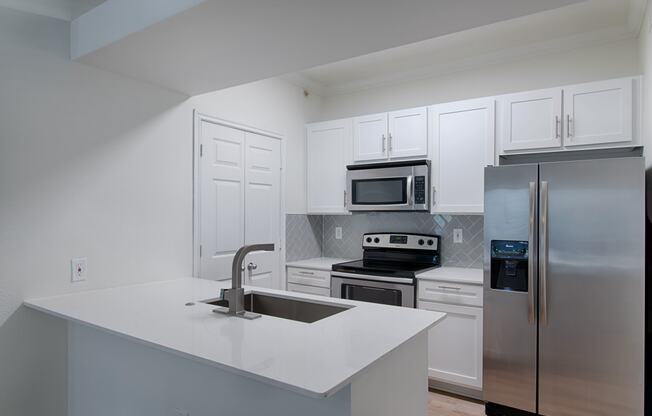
{"type": "Point", "coordinates": [198, 118]}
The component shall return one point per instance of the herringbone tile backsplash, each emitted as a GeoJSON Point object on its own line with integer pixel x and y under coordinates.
{"type": "Point", "coordinates": [466, 254]}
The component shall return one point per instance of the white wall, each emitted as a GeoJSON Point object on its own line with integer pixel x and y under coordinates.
{"type": "Point", "coordinates": [93, 164]}
{"type": "Point", "coordinates": [610, 60]}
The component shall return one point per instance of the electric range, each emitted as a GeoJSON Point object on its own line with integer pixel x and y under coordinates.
{"type": "Point", "coordinates": [387, 271]}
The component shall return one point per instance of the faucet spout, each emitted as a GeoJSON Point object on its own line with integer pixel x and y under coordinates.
{"type": "Point", "coordinates": [237, 268]}
{"type": "Point", "coordinates": [235, 295]}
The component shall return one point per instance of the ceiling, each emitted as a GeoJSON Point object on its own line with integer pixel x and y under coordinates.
{"type": "Point", "coordinates": [569, 27]}
{"type": "Point", "coordinates": [215, 44]}
{"type": "Point", "coordinates": [59, 9]}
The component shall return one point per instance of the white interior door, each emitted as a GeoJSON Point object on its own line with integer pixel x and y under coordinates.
{"type": "Point", "coordinates": [328, 150]}
{"type": "Point", "coordinates": [262, 208]}
{"type": "Point", "coordinates": [408, 133]}
{"type": "Point", "coordinates": [532, 120]}
{"type": "Point", "coordinates": [370, 137]}
{"type": "Point", "coordinates": [598, 112]}
{"type": "Point", "coordinates": [463, 136]}
{"type": "Point", "coordinates": [221, 199]}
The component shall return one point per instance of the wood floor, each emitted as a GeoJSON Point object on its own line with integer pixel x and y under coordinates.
{"type": "Point", "coordinates": [444, 404]}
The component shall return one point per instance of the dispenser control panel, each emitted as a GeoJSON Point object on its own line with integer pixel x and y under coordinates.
{"type": "Point", "coordinates": [509, 265]}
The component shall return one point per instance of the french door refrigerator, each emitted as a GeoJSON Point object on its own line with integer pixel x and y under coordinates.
{"type": "Point", "coordinates": [564, 289]}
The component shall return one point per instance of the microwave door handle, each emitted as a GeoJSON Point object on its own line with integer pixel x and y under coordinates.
{"type": "Point", "coordinates": [409, 190]}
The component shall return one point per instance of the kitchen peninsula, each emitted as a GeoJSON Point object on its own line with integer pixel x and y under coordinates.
{"type": "Point", "coordinates": [157, 349]}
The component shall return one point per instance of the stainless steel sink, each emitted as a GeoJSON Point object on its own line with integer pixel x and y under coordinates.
{"type": "Point", "coordinates": [286, 308]}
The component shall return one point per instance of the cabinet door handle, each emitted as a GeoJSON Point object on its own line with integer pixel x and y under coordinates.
{"type": "Point", "coordinates": [307, 273]}
{"type": "Point", "coordinates": [449, 287]}
{"type": "Point", "coordinates": [433, 196]}
{"type": "Point", "coordinates": [345, 198]}
{"type": "Point", "coordinates": [384, 139]}
{"type": "Point", "coordinates": [557, 127]}
{"type": "Point", "coordinates": [569, 122]}
{"type": "Point", "coordinates": [389, 142]}
{"type": "Point", "coordinates": [252, 266]}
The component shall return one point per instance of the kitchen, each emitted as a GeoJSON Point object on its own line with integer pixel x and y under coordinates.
{"type": "Point", "coordinates": [442, 100]}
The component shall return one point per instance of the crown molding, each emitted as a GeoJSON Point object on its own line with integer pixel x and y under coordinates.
{"type": "Point", "coordinates": [562, 44]}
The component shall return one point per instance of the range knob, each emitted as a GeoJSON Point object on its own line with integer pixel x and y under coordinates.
{"type": "Point", "coordinates": [421, 242]}
{"type": "Point", "coordinates": [368, 239]}
{"type": "Point", "coordinates": [376, 240]}
{"type": "Point", "coordinates": [430, 242]}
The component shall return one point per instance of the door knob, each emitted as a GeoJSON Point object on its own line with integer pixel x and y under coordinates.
{"type": "Point", "coordinates": [252, 266]}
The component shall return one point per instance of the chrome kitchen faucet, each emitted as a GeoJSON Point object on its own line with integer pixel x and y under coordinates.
{"type": "Point", "coordinates": [235, 295]}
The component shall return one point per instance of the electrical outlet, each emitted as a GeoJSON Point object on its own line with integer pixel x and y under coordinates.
{"type": "Point", "coordinates": [78, 269]}
{"type": "Point", "coordinates": [458, 238]}
{"type": "Point", "coordinates": [338, 233]}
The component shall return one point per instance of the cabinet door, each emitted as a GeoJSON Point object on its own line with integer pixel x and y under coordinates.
{"type": "Point", "coordinates": [463, 138]}
{"type": "Point", "coordinates": [598, 113]}
{"type": "Point", "coordinates": [532, 120]}
{"type": "Point", "coordinates": [408, 133]}
{"type": "Point", "coordinates": [370, 137]}
{"type": "Point", "coordinates": [455, 345]}
{"type": "Point", "coordinates": [328, 151]}
{"type": "Point", "coordinates": [310, 290]}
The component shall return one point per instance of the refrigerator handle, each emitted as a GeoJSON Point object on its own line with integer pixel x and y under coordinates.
{"type": "Point", "coordinates": [531, 262]}
{"type": "Point", "coordinates": [543, 261]}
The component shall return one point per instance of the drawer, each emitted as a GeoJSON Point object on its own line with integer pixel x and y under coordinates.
{"type": "Point", "coordinates": [451, 293]}
{"type": "Point", "coordinates": [309, 277]}
{"type": "Point", "coordinates": [311, 290]}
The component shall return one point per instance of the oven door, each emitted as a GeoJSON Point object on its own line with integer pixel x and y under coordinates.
{"type": "Point", "coordinates": [375, 289]}
{"type": "Point", "coordinates": [400, 188]}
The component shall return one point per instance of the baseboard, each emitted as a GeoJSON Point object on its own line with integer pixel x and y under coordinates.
{"type": "Point", "coordinates": [455, 389]}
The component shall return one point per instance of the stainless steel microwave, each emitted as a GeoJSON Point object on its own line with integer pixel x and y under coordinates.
{"type": "Point", "coordinates": [391, 186]}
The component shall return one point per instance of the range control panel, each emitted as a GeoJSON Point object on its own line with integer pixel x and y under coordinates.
{"type": "Point", "coordinates": [405, 241]}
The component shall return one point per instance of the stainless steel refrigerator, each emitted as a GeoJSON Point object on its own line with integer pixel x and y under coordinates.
{"type": "Point", "coordinates": [564, 288]}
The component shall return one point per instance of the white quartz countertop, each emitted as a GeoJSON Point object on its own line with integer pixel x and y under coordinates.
{"type": "Point", "coordinates": [317, 263]}
{"type": "Point", "coordinates": [454, 274]}
{"type": "Point", "coordinates": [313, 359]}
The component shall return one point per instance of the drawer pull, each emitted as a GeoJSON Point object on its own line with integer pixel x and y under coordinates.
{"type": "Point", "coordinates": [449, 288]}
{"type": "Point", "coordinates": [307, 273]}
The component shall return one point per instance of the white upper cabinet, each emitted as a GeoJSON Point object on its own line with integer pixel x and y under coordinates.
{"type": "Point", "coordinates": [328, 150]}
{"type": "Point", "coordinates": [395, 135]}
{"type": "Point", "coordinates": [463, 137]}
{"type": "Point", "coordinates": [532, 120]}
{"type": "Point", "coordinates": [604, 114]}
{"type": "Point", "coordinates": [599, 113]}
{"type": "Point", "coordinates": [408, 133]}
{"type": "Point", "coordinates": [370, 137]}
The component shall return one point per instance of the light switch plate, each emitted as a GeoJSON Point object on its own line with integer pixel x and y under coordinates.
{"type": "Point", "coordinates": [78, 269]}
{"type": "Point", "coordinates": [458, 237]}
{"type": "Point", "coordinates": [338, 233]}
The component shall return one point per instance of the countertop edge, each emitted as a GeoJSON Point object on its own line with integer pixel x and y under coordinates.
{"type": "Point", "coordinates": [266, 380]}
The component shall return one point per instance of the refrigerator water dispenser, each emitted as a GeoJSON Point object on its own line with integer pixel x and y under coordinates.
{"type": "Point", "coordinates": [509, 260]}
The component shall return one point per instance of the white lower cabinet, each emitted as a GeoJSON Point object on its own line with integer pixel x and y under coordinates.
{"type": "Point", "coordinates": [455, 346]}
{"type": "Point", "coordinates": [310, 281]}
{"type": "Point", "coordinates": [310, 290]}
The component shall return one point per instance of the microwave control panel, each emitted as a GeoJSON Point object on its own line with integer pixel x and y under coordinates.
{"type": "Point", "coordinates": [419, 190]}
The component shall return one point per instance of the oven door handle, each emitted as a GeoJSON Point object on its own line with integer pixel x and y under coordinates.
{"type": "Point", "coordinates": [404, 280]}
